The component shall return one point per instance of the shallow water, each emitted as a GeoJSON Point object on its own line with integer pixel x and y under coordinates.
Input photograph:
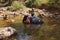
{"type": "Point", "coordinates": [36, 32]}
{"type": "Point", "coordinates": [26, 33]}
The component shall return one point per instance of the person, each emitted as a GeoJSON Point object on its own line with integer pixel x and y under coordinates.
{"type": "Point", "coordinates": [32, 12]}
{"type": "Point", "coordinates": [26, 18]}
{"type": "Point", "coordinates": [35, 19]}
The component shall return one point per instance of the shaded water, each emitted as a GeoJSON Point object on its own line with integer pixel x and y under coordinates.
{"type": "Point", "coordinates": [27, 31]}
{"type": "Point", "coordinates": [37, 32]}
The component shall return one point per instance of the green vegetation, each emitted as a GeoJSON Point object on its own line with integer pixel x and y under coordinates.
{"type": "Point", "coordinates": [54, 3]}
{"type": "Point", "coordinates": [16, 5]}
{"type": "Point", "coordinates": [36, 3]}
{"type": "Point", "coordinates": [32, 3]}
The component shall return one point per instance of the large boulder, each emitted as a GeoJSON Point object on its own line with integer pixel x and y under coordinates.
{"type": "Point", "coordinates": [6, 32]}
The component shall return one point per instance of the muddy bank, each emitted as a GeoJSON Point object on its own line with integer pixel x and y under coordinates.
{"type": "Point", "coordinates": [45, 14]}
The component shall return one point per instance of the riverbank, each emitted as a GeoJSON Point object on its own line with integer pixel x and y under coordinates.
{"type": "Point", "coordinates": [47, 16]}
{"type": "Point", "coordinates": [48, 30]}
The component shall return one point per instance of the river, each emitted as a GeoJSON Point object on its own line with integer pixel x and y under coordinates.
{"type": "Point", "coordinates": [36, 32]}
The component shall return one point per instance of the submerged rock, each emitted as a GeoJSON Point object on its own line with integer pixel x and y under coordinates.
{"type": "Point", "coordinates": [6, 32]}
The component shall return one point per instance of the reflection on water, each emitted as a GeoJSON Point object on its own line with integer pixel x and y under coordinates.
{"type": "Point", "coordinates": [36, 32]}
{"type": "Point", "coordinates": [25, 32]}
{"type": "Point", "coordinates": [24, 36]}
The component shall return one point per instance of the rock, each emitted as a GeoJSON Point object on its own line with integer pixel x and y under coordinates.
{"type": "Point", "coordinates": [14, 13]}
{"type": "Point", "coordinates": [3, 8]}
{"type": "Point", "coordinates": [6, 32]}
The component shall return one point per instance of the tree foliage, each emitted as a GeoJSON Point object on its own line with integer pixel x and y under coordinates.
{"type": "Point", "coordinates": [54, 3]}
{"type": "Point", "coordinates": [36, 3]}
{"type": "Point", "coordinates": [16, 5]}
